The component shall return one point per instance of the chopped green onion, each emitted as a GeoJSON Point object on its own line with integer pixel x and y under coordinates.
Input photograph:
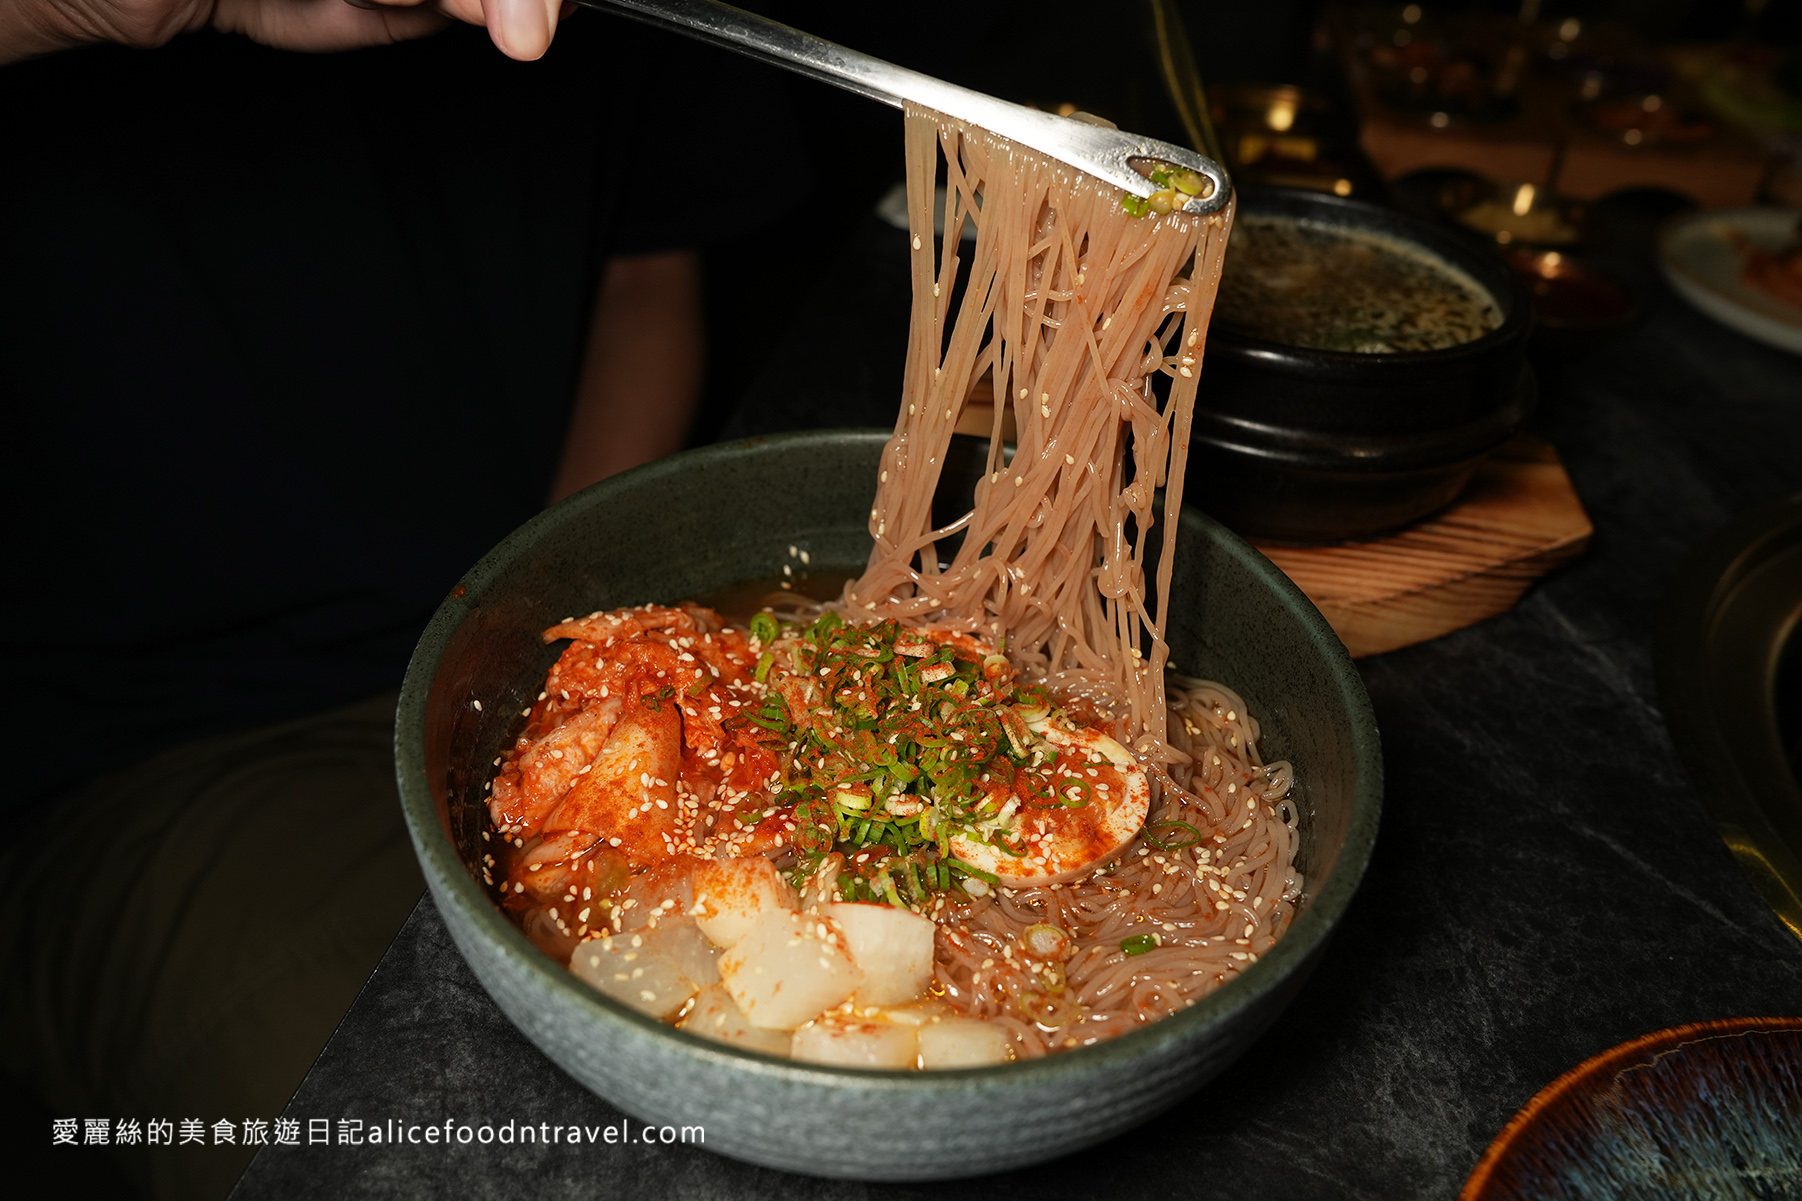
{"type": "Point", "coordinates": [823, 629]}
{"type": "Point", "coordinates": [773, 715]}
{"type": "Point", "coordinates": [1138, 944]}
{"type": "Point", "coordinates": [1133, 205]}
{"type": "Point", "coordinates": [1170, 845]}
{"type": "Point", "coordinates": [902, 743]}
{"type": "Point", "coordinates": [970, 869]}
{"type": "Point", "coordinates": [1065, 786]}
{"type": "Point", "coordinates": [1045, 941]}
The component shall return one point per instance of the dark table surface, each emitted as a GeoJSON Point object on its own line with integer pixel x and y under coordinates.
{"type": "Point", "coordinates": [1546, 883]}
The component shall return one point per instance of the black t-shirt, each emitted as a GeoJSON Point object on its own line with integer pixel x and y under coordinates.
{"type": "Point", "coordinates": [288, 341]}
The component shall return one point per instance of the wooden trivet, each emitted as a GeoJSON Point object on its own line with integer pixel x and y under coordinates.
{"type": "Point", "coordinates": [1518, 519]}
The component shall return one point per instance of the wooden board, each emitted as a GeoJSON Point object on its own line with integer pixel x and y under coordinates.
{"type": "Point", "coordinates": [1518, 519]}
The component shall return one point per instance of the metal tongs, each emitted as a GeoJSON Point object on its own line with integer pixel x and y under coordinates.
{"type": "Point", "coordinates": [1107, 154]}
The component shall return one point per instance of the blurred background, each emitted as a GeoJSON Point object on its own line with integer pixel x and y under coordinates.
{"type": "Point", "coordinates": [1594, 120]}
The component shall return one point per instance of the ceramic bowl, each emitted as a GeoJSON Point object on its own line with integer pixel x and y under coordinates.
{"type": "Point", "coordinates": [1311, 445]}
{"type": "Point", "coordinates": [1703, 1110]}
{"type": "Point", "coordinates": [704, 520]}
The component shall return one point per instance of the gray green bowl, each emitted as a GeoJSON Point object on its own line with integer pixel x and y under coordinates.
{"type": "Point", "coordinates": [701, 521]}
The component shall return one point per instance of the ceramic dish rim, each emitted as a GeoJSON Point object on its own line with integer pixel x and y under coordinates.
{"type": "Point", "coordinates": [1443, 243]}
{"type": "Point", "coordinates": [1774, 328]}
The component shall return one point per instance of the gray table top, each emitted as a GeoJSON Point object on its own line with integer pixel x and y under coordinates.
{"type": "Point", "coordinates": [1546, 883]}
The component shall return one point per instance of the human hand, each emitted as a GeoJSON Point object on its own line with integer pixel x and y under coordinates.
{"type": "Point", "coordinates": [521, 28]}
{"type": "Point", "coordinates": [28, 28]}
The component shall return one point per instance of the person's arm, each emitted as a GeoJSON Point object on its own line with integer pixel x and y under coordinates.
{"type": "Point", "coordinates": [30, 28]}
{"type": "Point", "coordinates": [641, 372]}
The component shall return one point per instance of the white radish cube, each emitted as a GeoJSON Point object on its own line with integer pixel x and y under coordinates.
{"type": "Point", "coordinates": [891, 947]}
{"type": "Point", "coordinates": [682, 942]}
{"type": "Point", "coordinates": [916, 1014]}
{"type": "Point", "coordinates": [787, 968]}
{"type": "Point", "coordinates": [963, 1043]}
{"type": "Point", "coordinates": [639, 976]}
{"type": "Point", "coordinates": [731, 894]}
{"type": "Point", "coordinates": [715, 1016]}
{"type": "Point", "coordinates": [848, 1041]}
{"type": "Point", "coordinates": [658, 895]}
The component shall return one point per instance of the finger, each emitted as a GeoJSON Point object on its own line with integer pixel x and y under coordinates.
{"type": "Point", "coordinates": [469, 11]}
{"type": "Point", "coordinates": [306, 25]}
{"type": "Point", "coordinates": [522, 28]}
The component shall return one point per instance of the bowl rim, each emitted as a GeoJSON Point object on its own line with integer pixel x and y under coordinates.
{"type": "Point", "coordinates": [1475, 261]}
{"type": "Point", "coordinates": [453, 883]}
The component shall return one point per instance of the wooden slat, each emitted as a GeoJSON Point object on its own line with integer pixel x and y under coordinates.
{"type": "Point", "coordinates": [1518, 520]}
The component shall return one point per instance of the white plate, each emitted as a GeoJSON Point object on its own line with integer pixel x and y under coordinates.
{"type": "Point", "coordinates": [1701, 256]}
